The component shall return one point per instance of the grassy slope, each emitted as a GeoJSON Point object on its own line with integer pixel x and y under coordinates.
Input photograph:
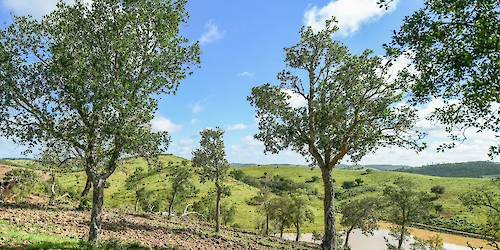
{"type": "Point", "coordinates": [247, 217]}
{"type": "Point", "coordinates": [464, 169]}
{"type": "Point", "coordinates": [450, 201]}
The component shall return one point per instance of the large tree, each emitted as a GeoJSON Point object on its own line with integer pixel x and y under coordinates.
{"type": "Point", "coordinates": [349, 109]}
{"type": "Point", "coordinates": [454, 47]}
{"type": "Point", "coordinates": [88, 77]}
{"type": "Point", "coordinates": [210, 159]}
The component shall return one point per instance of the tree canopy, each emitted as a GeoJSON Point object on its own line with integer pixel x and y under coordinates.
{"type": "Point", "coordinates": [349, 108]}
{"type": "Point", "coordinates": [211, 161]}
{"type": "Point", "coordinates": [88, 77]}
{"type": "Point", "coordinates": [455, 49]}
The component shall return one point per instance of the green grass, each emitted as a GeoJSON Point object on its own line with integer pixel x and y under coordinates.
{"type": "Point", "coordinates": [116, 195]}
{"type": "Point", "coordinates": [33, 238]}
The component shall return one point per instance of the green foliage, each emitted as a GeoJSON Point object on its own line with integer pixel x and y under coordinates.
{"type": "Point", "coordinates": [404, 205]}
{"type": "Point", "coordinates": [363, 214]}
{"type": "Point", "coordinates": [85, 203]}
{"type": "Point", "coordinates": [486, 200]}
{"type": "Point", "coordinates": [437, 190]}
{"type": "Point", "coordinates": [432, 243]}
{"type": "Point", "coordinates": [454, 47]}
{"type": "Point", "coordinates": [211, 161]}
{"type": "Point", "coordinates": [27, 179]}
{"type": "Point", "coordinates": [88, 78]}
{"type": "Point", "coordinates": [349, 184]}
{"type": "Point", "coordinates": [206, 206]}
{"type": "Point", "coordinates": [349, 108]}
{"type": "Point", "coordinates": [181, 185]}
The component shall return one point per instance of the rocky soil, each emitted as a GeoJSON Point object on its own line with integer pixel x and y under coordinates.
{"type": "Point", "coordinates": [152, 230]}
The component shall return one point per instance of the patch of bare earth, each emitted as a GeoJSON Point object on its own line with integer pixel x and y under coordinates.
{"type": "Point", "coordinates": [152, 230]}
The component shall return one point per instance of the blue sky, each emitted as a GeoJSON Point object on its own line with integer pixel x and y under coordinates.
{"type": "Point", "coordinates": [242, 43]}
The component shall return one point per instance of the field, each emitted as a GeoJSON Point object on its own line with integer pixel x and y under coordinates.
{"type": "Point", "coordinates": [247, 217]}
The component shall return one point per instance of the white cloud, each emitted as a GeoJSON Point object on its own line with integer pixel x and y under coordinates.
{"type": "Point", "coordinates": [35, 8]}
{"type": "Point", "coordinates": [186, 142]}
{"type": "Point", "coordinates": [212, 33]}
{"type": "Point", "coordinates": [161, 123]}
{"type": "Point", "coordinates": [399, 64]}
{"type": "Point", "coordinates": [350, 14]}
{"type": "Point", "coordinates": [239, 126]}
{"type": "Point", "coordinates": [245, 74]}
{"type": "Point", "coordinates": [193, 121]}
{"type": "Point", "coordinates": [296, 100]}
{"type": "Point", "coordinates": [197, 108]}
{"type": "Point", "coordinates": [250, 141]}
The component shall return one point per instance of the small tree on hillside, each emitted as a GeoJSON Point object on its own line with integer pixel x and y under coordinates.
{"type": "Point", "coordinates": [210, 160]}
{"type": "Point", "coordinates": [403, 206]}
{"type": "Point", "coordinates": [133, 182]}
{"type": "Point", "coordinates": [279, 207]}
{"type": "Point", "coordinates": [437, 190]}
{"type": "Point", "coordinates": [181, 184]}
{"type": "Point", "coordinates": [300, 212]}
{"type": "Point", "coordinates": [89, 77]}
{"type": "Point", "coordinates": [360, 214]}
{"type": "Point", "coordinates": [263, 200]}
{"type": "Point", "coordinates": [344, 106]}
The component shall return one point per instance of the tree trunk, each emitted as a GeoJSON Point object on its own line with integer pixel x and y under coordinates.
{"type": "Point", "coordinates": [281, 230]}
{"type": "Point", "coordinates": [88, 186]}
{"type": "Point", "coordinates": [137, 196]}
{"type": "Point", "coordinates": [217, 210]}
{"type": "Point", "coordinates": [401, 239]}
{"type": "Point", "coordinates": [171, 205]}
{"type": "Point", "coordinates": [52, 190]}
{"type": "Point", "coordinates": [330, 235]}
{"type": "Point", "coordinates": [267, 223]}
{"type": "Point", "coordinates": [297, 236]}
{"type": "Point", "coordinates": [97, 202]}
{"type": "Point", "coordinates": [346, 243]}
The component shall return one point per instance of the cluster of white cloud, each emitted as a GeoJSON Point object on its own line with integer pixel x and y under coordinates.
{"type": "Point", "coordinates": [296, 100]}
{"type": "Point", "coordinates": [35, 8]}
{"type": "Point", "coordinates": [245, 74]}
{"type": "Point", "coordinates": [197, 108]}
{"type": "Point", "coordinates": [162, 124]}
{"type": "Point", "coordinates": [350, 14]}
{"type": "Point", "coordinates": [239, 126]}
{"type": "Point", "coordinates": [212, 33]}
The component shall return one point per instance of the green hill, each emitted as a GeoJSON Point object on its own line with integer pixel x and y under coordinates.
{"type": "Point", "coordinates": [247, 216]}
{"type": "Point", "coordinates": [474, 169]}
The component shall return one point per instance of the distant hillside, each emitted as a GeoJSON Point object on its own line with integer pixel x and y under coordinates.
{"type": "Point", "coordinates": [474, 169]}
{"type": "Point", "coordinates": [340, 166]}
{"type": "Point", "coordinates": [387, 167]}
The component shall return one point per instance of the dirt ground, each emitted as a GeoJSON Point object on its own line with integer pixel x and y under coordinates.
{"type": "Point", "coordinates": [152, 230]}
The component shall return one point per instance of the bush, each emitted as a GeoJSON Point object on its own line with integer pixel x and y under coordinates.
{"type": "Point", "coordinates": [26, 181]}
{"type": "Point", "coordinates": [349, 184]}
{"type": "Point", "coordinates": [85, 203]}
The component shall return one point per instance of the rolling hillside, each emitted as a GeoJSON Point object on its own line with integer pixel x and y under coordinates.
{"type": "Point", "coordinates": [465, 169]}
{"type": "Point", "coordinates": [247, 216]}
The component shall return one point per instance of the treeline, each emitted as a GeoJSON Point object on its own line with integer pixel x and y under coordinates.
{"type": "Point", "coordinates": [475, 169]}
